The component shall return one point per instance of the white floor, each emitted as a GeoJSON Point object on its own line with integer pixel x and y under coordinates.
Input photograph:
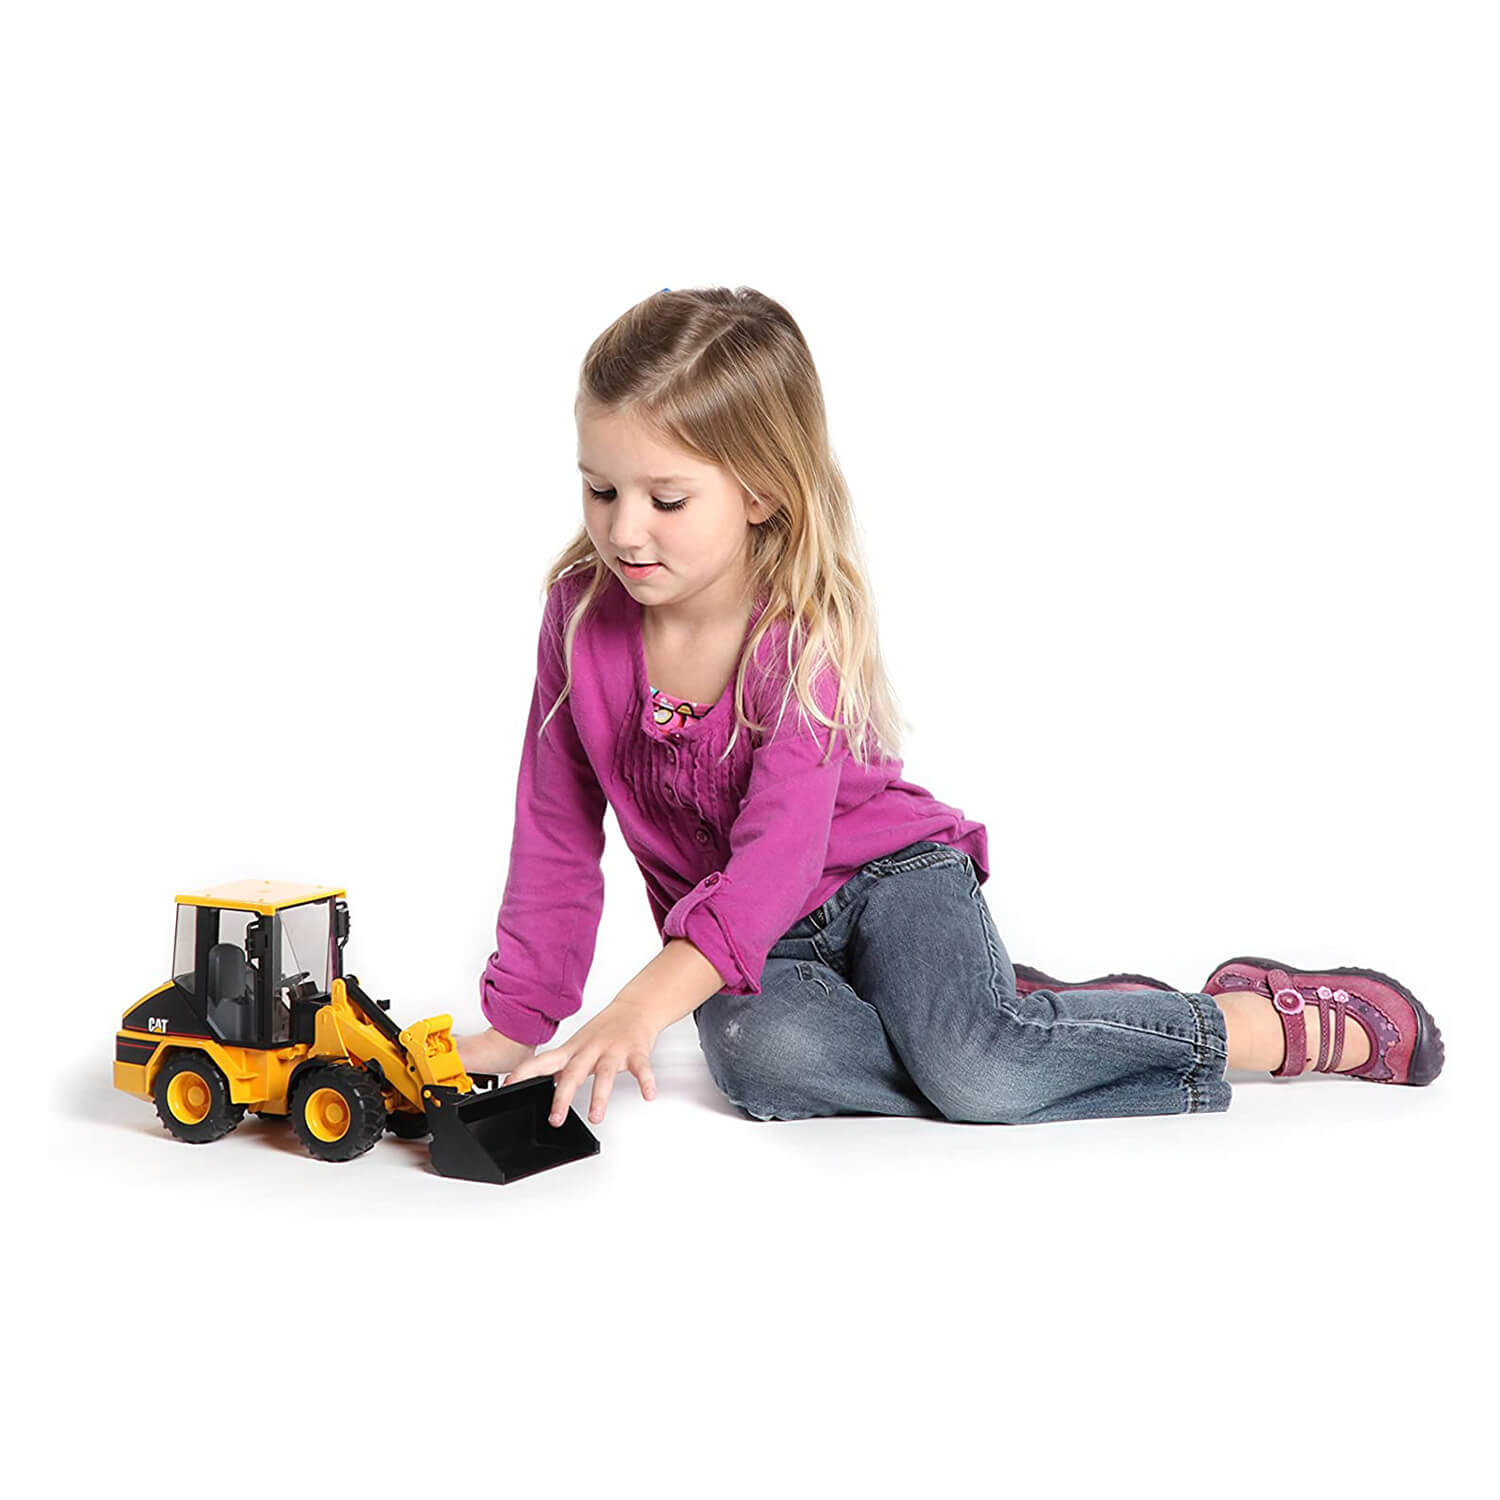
{"type": "Point", "coordinates": [1257, 1299]}
{"type": "Point", "coordinates": [1158, 352]}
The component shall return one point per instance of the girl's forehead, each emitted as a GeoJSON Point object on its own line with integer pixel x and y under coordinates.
{"type": "Point", "coordinates": [620, 427]}
{"type": "Point", "coordinates": [609, 441]}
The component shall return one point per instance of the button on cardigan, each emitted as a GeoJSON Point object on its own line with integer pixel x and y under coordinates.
{"type": "Point", "coordinates": [732, 852]}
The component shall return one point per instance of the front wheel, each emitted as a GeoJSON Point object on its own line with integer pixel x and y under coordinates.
{"type": "Point", "coordinates": [192, 1098]}
{"type": "Point", "coordinates": [337, 1110]}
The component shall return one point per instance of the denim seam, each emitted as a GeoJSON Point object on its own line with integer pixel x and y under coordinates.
{"type": "Point", "coordinates": [1192, 1079]}
{"type": "Point", "coordinates": [987, 927]}
{"type": "Point", "coordinates": [1198, 1041]}
{"type": "Point", "coordinates": [1168, 1036]}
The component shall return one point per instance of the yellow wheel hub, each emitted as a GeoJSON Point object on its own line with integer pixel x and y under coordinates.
{"type": "Point", "coordinates": [188, 1098]}
{"type": "Point", "coordinates": [327, 1114]}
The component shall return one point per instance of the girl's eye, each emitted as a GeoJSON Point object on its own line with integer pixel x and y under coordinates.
{"type": "Point", "coordinates": [660, 504]}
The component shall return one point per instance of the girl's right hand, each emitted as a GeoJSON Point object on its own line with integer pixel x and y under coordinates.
{"type": "Point", "coordinates": [491, 1051]}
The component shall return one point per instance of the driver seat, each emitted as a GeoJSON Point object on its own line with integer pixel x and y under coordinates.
{"type": "Point", "coordinates": [231, 993]}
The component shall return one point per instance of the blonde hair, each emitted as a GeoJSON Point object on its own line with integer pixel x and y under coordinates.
{"type": "Point", "coordinates": [727, 376]}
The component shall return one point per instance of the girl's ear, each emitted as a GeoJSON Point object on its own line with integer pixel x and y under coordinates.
{"type": "Point", "coordinates": [758, 510]}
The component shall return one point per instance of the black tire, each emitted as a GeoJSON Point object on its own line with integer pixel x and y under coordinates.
{"type": "Point", "coordinates": [192, 1098]}
{"type": "Point", "coordinates": [407, 1127]}
{"type": "Point", "coordinates": [337, 1111]}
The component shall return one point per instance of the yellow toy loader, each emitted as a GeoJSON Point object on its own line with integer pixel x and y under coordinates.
{"type": "Point", "coordinates": [260, 1015]}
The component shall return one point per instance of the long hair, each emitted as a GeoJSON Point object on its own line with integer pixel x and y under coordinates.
{"type": "Point", "coordinates": [726, 375]}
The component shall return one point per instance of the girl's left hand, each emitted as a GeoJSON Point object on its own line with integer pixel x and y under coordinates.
{"type": "Point", "coordinates": [620, 1036]}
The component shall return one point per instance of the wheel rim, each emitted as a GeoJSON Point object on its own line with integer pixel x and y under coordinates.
{"type": "Point", "coordinates": [189, 1098]}
{"type": "Point", "coordinates": [327, 1114]}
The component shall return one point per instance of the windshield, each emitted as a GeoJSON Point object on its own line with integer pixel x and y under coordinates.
{"type": "Point", "coordinates": [307, 943]}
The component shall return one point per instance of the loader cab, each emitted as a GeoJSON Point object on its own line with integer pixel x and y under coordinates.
{"type": "Point", "coordinates": [254, 961]}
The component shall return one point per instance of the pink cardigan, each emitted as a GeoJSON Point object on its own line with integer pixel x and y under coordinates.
{"type": "Point", "coordinates": [732, 854]}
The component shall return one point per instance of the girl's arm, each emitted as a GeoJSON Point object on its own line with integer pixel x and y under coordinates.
{"type": "Point", "coordinates": [620, 1038]}
{"type": "Point", "coordinates": [490, 1052]}
{"type": "Point", "coordinates": [674, 984]}
{"type": "Point", "coordinates": [723, 929]}
{"type": "Point", "coordinates": [554, 891]}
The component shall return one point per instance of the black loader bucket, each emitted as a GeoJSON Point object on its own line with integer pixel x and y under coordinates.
{"type": "Point", "coordinates": [495, 1134]}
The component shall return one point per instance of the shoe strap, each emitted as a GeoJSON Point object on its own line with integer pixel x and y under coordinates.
{"type": "Point", "coordinates": [1336, 1001]}
{"type": "Point", "coordinates": [1289, 1004]}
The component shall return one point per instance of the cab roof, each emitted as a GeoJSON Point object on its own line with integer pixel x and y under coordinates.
{"type": "Point", "coordinates": [264, 896]}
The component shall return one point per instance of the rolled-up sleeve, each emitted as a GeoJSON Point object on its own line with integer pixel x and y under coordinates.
{"type": "Point", "coordinates": [778, 845]}
{"type": "Point", "coordinates": [554, 892]}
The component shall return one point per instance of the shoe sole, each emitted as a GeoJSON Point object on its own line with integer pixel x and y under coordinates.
{"type": "Point", "coordinates": [1039, 980]}
{"type": "Point", "coordinates": [1427, 1051]}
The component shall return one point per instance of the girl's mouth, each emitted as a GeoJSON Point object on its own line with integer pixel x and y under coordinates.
{"type": "Point", "coordinates": [639, 570]}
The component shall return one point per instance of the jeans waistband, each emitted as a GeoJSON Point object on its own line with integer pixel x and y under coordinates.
{"type": "Point", "coordinates": [915, 856]}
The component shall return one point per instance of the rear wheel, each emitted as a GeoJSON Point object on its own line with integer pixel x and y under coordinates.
{"type": "Point", "coordinates": [192, 1098]}
{"type": "Point", "coordinates": [337, 1111]}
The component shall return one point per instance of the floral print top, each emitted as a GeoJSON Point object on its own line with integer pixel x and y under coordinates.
{"type": "Point", "coordinates": [669, 713]}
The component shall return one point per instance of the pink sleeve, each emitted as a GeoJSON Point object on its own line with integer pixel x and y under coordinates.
{"type": "Point", "coordinates": [778, 845]}
{"type": "Point", "coordinates": [554, 892]}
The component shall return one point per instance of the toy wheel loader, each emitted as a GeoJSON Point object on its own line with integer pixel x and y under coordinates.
{"type": "Point", "coordinates": [259, 1015]}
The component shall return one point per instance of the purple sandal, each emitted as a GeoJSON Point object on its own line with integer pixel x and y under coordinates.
{"type": "Point", "coordinates": [1405, 1043]}
{"type": "Point", "coordinates": [1028, 979]}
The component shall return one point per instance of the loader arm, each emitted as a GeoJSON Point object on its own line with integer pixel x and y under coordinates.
{"type": "Point", "coordinates": [352, 1024]}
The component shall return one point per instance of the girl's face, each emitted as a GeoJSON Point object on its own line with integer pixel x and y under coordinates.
{"type": "Point", "coordinates": [645, 501]}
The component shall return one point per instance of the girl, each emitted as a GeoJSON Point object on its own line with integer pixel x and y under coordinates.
{"type": "Point", "coordinates": [709, 667]}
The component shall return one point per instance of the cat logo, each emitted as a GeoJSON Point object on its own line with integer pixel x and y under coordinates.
{"type": "Point", "coordinates": [156, 1023]}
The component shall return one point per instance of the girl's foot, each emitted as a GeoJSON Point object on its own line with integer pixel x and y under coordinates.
{"type": "Point", "coordinates": [1258, 1042]}
{"type": "Point", "coordinates": [1393, 1038]}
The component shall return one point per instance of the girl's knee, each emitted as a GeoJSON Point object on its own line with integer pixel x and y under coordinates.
{"type": "Point", "coordinates": [984, 1101]}
{"type": "Point", "coordinates": [988, 1088]}
{"type": "Point", "coordinates": [761, 1056]}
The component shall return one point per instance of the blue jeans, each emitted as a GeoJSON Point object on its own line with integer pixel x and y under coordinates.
{"type": "Point", "coordinates": [896, 997]}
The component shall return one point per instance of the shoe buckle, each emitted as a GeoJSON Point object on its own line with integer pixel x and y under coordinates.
{"type": "Point", "coordinates": [1289, 1001]}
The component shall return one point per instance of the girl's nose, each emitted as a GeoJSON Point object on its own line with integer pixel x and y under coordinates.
{"type": "Point", "coordinates": [630, 543]}
{"type": "Point", "coordinates": [628, 530]}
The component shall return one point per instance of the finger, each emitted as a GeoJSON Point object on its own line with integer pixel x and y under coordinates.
{"type": "Point", "coordinates": [538, 1065]}
{"type": "Point", "coordinates": [567, 1085]}
{"type": "Point", "coordinates": [641, 1067]}
{"type": "Point", "coordinates": [604, 1082]}
{"type": "Point", "coordinates": [544, 1063]}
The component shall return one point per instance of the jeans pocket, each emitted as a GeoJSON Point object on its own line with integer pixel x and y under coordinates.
{"type": "Point", "coordinates": [919, 856]}
{"type": "Point", "coordinates": [809, 975]}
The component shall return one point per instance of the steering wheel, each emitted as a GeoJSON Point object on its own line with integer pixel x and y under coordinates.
{"type": "Point", "coordinates": [290, 982]}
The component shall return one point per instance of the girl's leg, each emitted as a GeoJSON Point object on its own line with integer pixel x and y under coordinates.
{"type": "Point", "coordinates": [806, 1045]}
{"type": "Point", "coordinates": [921, 947]}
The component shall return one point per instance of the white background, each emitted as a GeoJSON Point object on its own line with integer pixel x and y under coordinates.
{"type": "Point", "coordinates": [1158, 344]}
